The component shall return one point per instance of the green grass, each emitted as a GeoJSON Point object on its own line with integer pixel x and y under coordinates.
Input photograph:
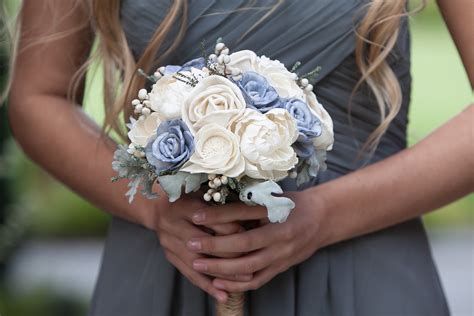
{"type": "Point", "coordinates": [440, 91]}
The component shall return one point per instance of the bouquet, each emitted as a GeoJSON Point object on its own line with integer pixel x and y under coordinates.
{"type": "Point", "coordinates": [229, 124]}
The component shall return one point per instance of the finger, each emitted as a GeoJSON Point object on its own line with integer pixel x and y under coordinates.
{"type": "Point", "coordinates": [258, 281]}
{"type": "Point", "coordinates": [241, 242]}
{"type": "Point", "coordinates": [184, 230]}
{"type": "Point", "coordinates": [228, 213]}
{"type": "Point", "coordinates": [187, 231]}
{"type": "Point", "coordinates": [234, 277]}
{"type": "Point", "coordinates": [197, 279]}
{"type": "Point", "coordinates": [226, 228]}
{"type": "Point", "coordinates": [177, 247]}
{"type": "Point", "coordinates": [245, 265]}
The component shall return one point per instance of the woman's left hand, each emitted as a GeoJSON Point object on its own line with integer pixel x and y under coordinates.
{"type": "Point", "coordinates": [270, 249]}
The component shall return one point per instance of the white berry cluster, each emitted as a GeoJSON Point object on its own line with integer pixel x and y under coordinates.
{"type": "Point", "coordinates": [136, 151]}
{"type": "Point", "coordinates": [142, 104]}
{"type": "Point", "coordinates": [304, 84]}
{"type": "Point", "coordinates": [292, 174]}
{"type": "Point", "coordinates": [159, 73]}
{"type": "Point", "coordinates": [222, 59]}
{"type": "Point", "coordinates": [218, 189]}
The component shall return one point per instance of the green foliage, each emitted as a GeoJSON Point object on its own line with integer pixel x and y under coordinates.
{"type": "Point", "coordinates": [39, 302]}
{"type": "Point", "coordinates": [53, 210]}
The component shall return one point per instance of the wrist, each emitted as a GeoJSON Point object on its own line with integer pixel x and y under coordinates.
{"type": "Point", "coordinates": [319, 202]}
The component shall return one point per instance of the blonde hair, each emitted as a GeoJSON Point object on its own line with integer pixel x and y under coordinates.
{"type": "Point", "coordinates": [376, 36]}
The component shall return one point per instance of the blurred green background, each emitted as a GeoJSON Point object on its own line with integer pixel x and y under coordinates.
{"type": "Point", "coordinates": [35, 206]}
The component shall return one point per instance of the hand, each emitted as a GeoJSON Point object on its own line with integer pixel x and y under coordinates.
{"type": "Point", "coordinates": [271, 248]}
{"type": "Point", "coordinates": [174, 228]}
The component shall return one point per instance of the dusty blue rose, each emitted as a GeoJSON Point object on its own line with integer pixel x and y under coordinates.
{"type": "Point", "coordinates": [309, 126]}
{"type": "Point", "coordinates": [198, 63]}
{"type": "Point", "coordinates": [171, 147]}
{"type": "Point", "coordinates": [258, 93]}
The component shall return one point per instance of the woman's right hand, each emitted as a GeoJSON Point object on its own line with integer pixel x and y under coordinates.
{"type": "Point", "coordinates": [174, 226]}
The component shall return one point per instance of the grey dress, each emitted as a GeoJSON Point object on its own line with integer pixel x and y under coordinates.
{"type": "Point", "coordinates": [390, 272]}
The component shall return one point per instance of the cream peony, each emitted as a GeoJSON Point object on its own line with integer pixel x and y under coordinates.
{"type": "Point", "coordinates": [265, 142]}
{"type": "Point", "coordinates": [326, 140]}
{"type": "Point", "coordinates": [167, 96]}
{"type": "Point", "coordinates": [143, 130]}
{"type": "Point", "coordinates": [279, 78]}
{"type": "Point", "coordinates": [216, 152]}
{"type": "Point", "coordinates": [214, 99]}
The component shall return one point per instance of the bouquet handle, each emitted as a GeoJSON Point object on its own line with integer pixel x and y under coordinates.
{"type": "Point", "coordinates": [233, 307]}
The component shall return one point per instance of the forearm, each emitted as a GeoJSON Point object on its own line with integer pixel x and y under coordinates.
{"type": "Point", "coordinates": [65, 142]}
{"type": "Point", "coordinates": [436, 171]}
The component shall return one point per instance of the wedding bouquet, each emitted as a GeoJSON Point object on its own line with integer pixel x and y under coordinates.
{"type": "Point", "coordinates": [228, 124]}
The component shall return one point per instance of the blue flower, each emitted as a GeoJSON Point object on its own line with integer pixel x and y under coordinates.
{"type": "Point", "coordinates": [198, 63]}
{"type": "Point", "coordinates": [309, 126]}
{"type": "Point", "coordinates": [258, 94]}
{"type": "Point", "coordinates": [171, 147]}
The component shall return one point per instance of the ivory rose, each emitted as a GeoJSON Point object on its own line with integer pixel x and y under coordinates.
{"type": "Point", "coordinates": [244, 60]}
{"type": "Point", "coordinates": [142, 130]}
{"type": "Point", "coordinates": [214, 99]}
{"type": "Point", "coordinates": [265, 142]}
{"type": "Point", "coordinates": [326, 139]}
{"type": "Point", "coordinates": [216, 152]}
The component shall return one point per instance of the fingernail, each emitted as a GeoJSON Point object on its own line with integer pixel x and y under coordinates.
{"type": "Point", "coordinates": [194, 244]}
{"type": "Point", "coordinates": [199, 217]}
{"type": "Point", "coordinates": [221, 297]}
{"type": "Point", "coordinates": [219, 285]}
{"type": "Point", "coordinates": [199, 266]}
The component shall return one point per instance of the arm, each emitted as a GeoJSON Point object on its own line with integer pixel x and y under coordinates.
{"type": "Point", "coordinates": [53, 132]}
{"type": "Point", "coordinates": [434, 172]}
{"type": "Point", "coordinates": [59, 137]}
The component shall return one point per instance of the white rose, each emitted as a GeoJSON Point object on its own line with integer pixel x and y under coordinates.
{"type": "Point", "coordinates": [265, 142]}
{"type": "Point", "coordinates": [167, 96]}
{"type": "Point", "coordinates": [216, 151]}
{"type": "Point", "coordinates": [245, 60]}
{"type": "Point", "coordinates": [326, 139]}
{"type": "Point", "coordinates": [279, 78]}
{"type": "Point", "coordinates": [143, 130]}
{"type": "Point", "coordinates": [214, 99]}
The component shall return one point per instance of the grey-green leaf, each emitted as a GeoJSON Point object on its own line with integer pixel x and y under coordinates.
{"type": "Point", "coordinates": [172, 184]}
{"type": "Point", "coordinates": [261, 193]}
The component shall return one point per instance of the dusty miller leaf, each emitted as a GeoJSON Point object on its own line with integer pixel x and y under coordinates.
{"type": "Point", "coordinates": [173, 184]}
{"type": "Point", "coordinates": [137, 170]}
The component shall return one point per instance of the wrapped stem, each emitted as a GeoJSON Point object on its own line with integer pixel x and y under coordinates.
{"type": "Point", "coordinates": [233, 307]}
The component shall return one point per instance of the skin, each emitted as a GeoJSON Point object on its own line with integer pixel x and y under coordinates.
{"type": "Point", "coordinates": [59, 137]}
